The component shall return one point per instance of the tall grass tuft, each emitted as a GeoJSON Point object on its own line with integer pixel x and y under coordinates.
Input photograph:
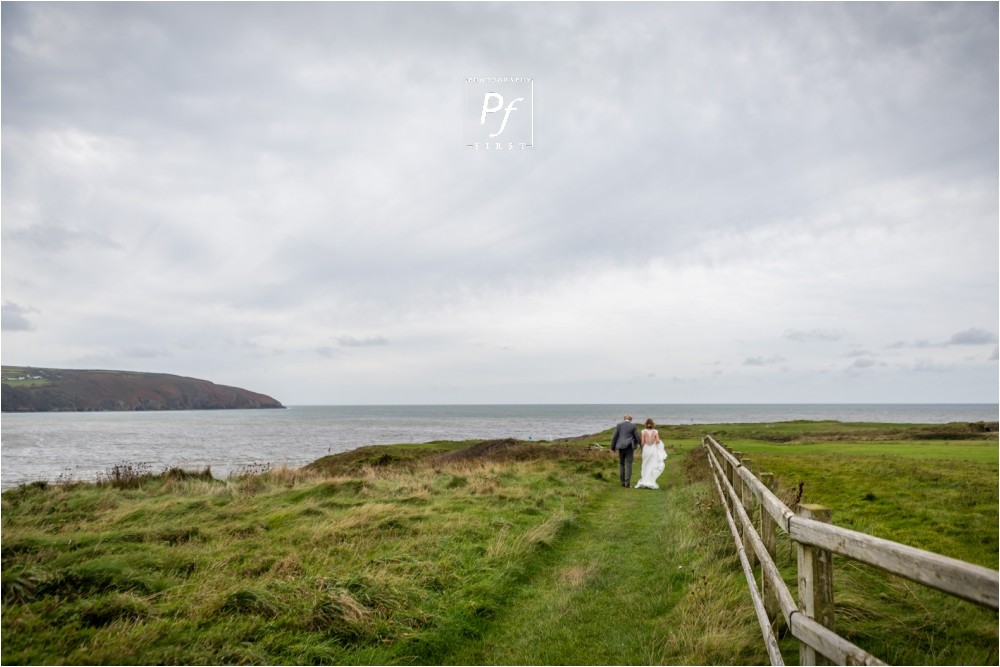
{"type": "Point", "coordinates": [125, 475]}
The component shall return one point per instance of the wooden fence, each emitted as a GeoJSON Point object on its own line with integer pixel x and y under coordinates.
{"type": "Point", "coordinates": [812, 621]}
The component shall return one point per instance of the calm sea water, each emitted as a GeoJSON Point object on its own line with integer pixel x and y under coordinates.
{"type": "Point", "coordinates": [64, 445]}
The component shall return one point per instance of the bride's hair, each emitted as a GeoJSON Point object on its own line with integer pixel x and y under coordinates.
{"type": "Point", "coordinates": [649, 423]}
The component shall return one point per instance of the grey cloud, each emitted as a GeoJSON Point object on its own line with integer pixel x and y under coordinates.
{"type": "Point", "coordinates": [15, 317]}
{"type": "Point", "coordinates": [973, 337]}
{"type": "Point", "coordinates": [864, 363]}
{"type": "Point", "coordinates": [585, 196]}
{"type": "Point", "coordinates": [351, 341]}
{"type": "Point", "coordinates": [814, 335]}
{"type": "Point", "coordinates": [52, 237]}
{"type": "Point", "coordinates": [996, 353]}
{"type": "Point", "coordinates": [917, 344]}
{"type": "Point", "coordinates": [761, 361]}
{"type": "Point", "coordinates": [144, 352]}
{"type": "Point", "coordinates": [278, 162]}
{"type": "Point", "coordinates": [930, 366]}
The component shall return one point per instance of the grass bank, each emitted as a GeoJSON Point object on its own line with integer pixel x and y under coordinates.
{"type": "Point", "coordinates": [473, 553]}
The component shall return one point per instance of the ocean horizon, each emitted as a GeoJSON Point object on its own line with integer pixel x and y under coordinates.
{"type": "Point", "coordinates": [56, 446]}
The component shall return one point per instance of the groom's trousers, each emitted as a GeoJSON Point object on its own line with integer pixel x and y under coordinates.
{"type": "Point", "coordinates": [625, 465]}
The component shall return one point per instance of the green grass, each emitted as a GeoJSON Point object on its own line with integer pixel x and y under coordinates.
{"type": "Point", "coordinates": [937, 495]}
{"type": "Point", "coordinates": [18, 376]}
{"type": "Point", "coordinates": [835, 431]}
{"type": "Point", "coordinates": [384, 566]}
{"type": "Point", "coordinates": [483, 553]}
{"type": "Point", "coordinates": [642, 579]}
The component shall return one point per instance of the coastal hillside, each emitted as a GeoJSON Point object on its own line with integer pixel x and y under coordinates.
{"type": "Point", "coordinates": [27, 389]}
{"type": "Point", "coordinates": [497, 552]}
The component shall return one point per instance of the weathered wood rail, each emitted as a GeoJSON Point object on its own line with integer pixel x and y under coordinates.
{"type": "Point", "coordinates": [812, 619]}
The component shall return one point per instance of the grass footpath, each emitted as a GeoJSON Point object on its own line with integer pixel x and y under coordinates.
{"type": "Point", "coordinates": [631, 585]}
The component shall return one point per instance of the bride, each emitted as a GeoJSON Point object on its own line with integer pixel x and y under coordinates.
{"type": "Point", "coordinates": [654, 457]}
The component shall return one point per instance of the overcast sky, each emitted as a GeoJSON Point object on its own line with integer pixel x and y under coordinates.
{"type": "Point", "coordinates": [723, 203]}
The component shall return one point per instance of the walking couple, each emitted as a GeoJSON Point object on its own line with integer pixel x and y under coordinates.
{"type": "Point", "coordinates": [625, 441]}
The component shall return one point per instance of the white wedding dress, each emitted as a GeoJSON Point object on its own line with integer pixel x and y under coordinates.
{"type": "Point", "coordinates": [654, 459]}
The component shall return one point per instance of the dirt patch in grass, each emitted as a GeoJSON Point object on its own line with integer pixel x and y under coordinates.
{"type": "Point", "coordinates": [575, 576]}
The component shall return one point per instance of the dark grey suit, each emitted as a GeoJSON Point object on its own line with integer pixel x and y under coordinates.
{"type": "Point", "coordinates": [624, 441]}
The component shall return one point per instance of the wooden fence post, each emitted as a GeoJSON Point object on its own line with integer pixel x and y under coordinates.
{"type": "Point", "coordinates": [730, 467]}
{"type": "Point", "coordinates": [768, 537]}
{"type": "Point", "coordinates": [747, 498]}
{"type": "Point", "coordinates": [815, 584]}
{"type": "Point", "coordinates": [734, 477]}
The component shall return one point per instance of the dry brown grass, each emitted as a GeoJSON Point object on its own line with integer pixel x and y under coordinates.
{"type": "Point", "coordinates": [574, 576]}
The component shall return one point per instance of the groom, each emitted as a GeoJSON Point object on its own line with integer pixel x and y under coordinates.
{"type": "Point", "coordinates": [625, 440]}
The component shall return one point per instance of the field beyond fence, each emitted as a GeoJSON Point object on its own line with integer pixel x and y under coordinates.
{"type": "Point", "coordinates": [755, 514]}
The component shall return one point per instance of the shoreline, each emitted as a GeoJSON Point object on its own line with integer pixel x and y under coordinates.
{"type": "Point", "coordinates": [222, 471]}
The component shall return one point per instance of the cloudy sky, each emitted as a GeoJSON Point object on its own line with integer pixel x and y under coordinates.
{"type": "Point", "coordinates": [723, 202]}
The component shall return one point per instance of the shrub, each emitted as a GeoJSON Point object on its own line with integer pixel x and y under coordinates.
{"type": "Point", "coordinates": [125, 475]}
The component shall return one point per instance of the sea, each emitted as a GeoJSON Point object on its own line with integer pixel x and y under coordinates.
{"type": "Point", "coordinates": [82, 446]}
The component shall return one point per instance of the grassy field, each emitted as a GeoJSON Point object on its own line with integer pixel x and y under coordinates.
{"type": "Point", "coordinates": [486, 553]}
{"type": "Point", "coordinates": [19, 376]}
{"type": "Point", "coordinates": [936, 494]}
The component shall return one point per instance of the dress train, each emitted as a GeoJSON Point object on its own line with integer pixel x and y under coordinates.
{"type": "Point", "coordinates": [654, 459]}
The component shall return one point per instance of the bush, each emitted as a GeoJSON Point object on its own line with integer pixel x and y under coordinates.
{"type": "Point", "coordinates": [125, 475]}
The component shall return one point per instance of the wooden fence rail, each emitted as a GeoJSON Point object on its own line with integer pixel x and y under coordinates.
{"type": "Point", "coordinates": [812, 619]}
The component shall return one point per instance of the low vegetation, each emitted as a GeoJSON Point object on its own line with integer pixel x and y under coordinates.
{"type": "Point", "coordinates": [499, 552]}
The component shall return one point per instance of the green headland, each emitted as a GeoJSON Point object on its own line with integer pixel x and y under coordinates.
{"type": "Point", "coordinates": [30, 389]}
{"type": "Point", "coordinates": [498, 552]}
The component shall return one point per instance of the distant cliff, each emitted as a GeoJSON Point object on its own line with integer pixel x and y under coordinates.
{"type": "Point", "coordinates": [27, 389]}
